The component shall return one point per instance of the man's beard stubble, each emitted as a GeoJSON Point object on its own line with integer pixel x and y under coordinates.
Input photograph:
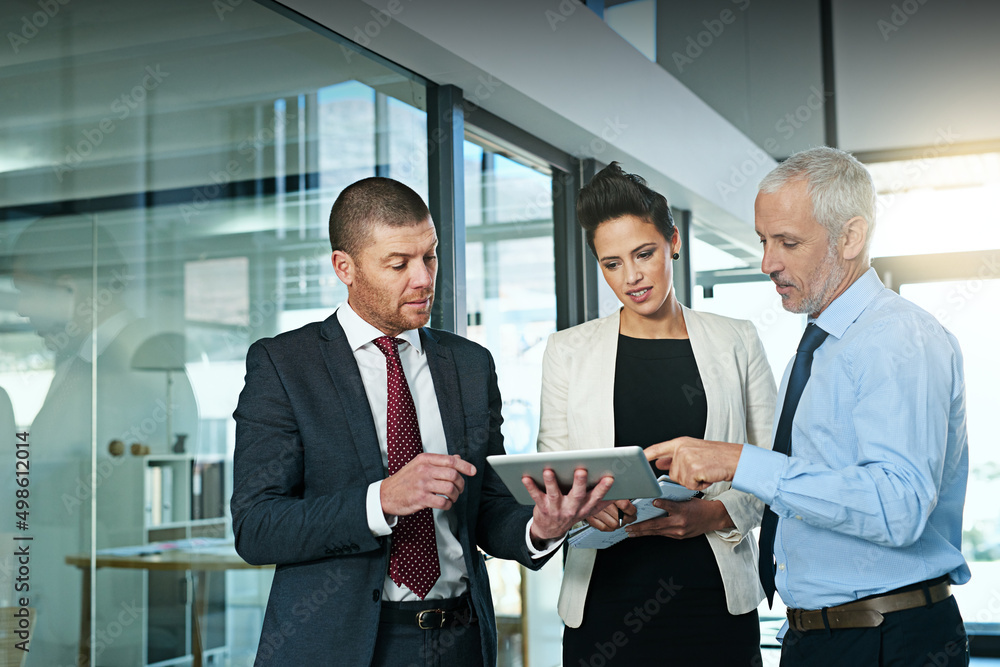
{"type": "Point", "coordinates": [390, 318]}
{"type": "Point", "coordinates": [820, 298]}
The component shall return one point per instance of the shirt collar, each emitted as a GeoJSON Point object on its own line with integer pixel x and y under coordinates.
{"type": "Point", "coordinates": [360, 332]}
{"type": "Point", "coordinates": [847, 307]}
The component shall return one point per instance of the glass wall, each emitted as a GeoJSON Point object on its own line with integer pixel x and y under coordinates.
{"type": "Point", "coordinates": [167, 173]}
{"type": "Point", "coordinates": [510, 269]}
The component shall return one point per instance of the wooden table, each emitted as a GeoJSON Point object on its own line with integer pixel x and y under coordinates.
{"type": "Point", "coordinates": [173, 560]}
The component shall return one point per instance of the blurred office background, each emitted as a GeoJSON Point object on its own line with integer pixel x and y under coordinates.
{"type": "Point", "coordinates": [166, 173]}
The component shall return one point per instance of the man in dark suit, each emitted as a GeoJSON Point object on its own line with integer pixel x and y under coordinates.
{"type": "Point", "coordinates": [374, 568]}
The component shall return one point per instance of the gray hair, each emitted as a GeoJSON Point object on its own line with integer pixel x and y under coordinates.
{"type": "Point", "coordinates": [840, 188]}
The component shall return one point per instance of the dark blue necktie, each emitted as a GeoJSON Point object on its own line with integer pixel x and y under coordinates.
{"type": "Point", "coordinates": [811, 339]}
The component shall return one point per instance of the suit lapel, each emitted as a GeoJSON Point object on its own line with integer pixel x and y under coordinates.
{"type": "Point", "coordinates": [444, 372]}
{"type": "Point", "coordinates": [605, 356]}
{"type": "Point", "coordinates": [347, 383]}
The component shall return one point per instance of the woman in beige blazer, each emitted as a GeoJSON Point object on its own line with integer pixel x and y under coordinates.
{"type": "Point", "coordinates": [683, 588]}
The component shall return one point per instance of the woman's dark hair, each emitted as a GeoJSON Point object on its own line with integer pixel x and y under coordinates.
{"type": "Point", "coordinates": [612, 194]}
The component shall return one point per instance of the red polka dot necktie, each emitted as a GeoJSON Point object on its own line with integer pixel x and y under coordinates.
{"type": "Point", "coordinates": [413, 558]}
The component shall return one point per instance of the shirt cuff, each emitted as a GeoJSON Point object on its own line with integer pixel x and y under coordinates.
{"type": "Point", "coordinates": [376, 517]}
{"type": "Point", "coordinates": [731, 536]}
{"type": "Point", "coordinates": [550, 545]}
{"type": "Point", "coordinates": [759, 471]}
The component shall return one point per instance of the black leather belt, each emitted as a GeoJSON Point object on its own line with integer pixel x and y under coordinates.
{"type": "Point", "coordinates": [430, 615]}
{"type": "Point", "coordinates": [870, 612]}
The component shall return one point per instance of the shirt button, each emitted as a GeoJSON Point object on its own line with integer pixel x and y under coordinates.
{"type": "Point", "coordinates": [781, 566]}
{"type": "Point", "coordinates": [799, 517]}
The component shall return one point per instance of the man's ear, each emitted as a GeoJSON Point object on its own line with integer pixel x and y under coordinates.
{"type": "Point", "coordinates": [343, 265]}
{"type": "Point", "coordinates": [854, 236]}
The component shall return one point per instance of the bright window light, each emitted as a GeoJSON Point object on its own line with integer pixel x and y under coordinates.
{"type": "Point", "coordinates": [936, 205]}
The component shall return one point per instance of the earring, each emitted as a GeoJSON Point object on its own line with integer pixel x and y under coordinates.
{"type": "Point", "coordinates": [676, 256]}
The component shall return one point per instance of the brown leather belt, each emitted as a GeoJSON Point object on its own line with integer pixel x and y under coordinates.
{"type": "Point", "coordinates": [865, 613]}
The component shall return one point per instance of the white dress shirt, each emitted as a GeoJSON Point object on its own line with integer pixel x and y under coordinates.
{"type": "Point", "coordinates": [371, 362]}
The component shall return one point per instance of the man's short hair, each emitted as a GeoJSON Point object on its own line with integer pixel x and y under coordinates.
{"type": "Point", "coordinates": [612, 194]}
{"type": "Point", "coordinates": [369, 202]}
{"type": "Point", "coordinates": [840, 188]}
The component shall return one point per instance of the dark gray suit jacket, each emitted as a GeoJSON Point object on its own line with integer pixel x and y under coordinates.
{"type": "Point", "coordinates": [306, 451]}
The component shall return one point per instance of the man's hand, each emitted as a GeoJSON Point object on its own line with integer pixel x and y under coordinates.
{"type": "Point", "coordinates": [683, 520]}
{"type": "Point", "coordinates": [556, 513]}
{"type": "Point", "coordinates": [429, 480]}
{"type": "Point", "coordinates": [696, 464]}
{"type": "Point", "coordinates": [607, 519]}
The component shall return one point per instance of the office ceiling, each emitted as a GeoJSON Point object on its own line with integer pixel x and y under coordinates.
{"type": "Point", "coordinates": [910, 78]}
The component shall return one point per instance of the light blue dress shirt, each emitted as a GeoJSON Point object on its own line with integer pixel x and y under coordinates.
{"type": "Point", "coordinates": [871, 497]}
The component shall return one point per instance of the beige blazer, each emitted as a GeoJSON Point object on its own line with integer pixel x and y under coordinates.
{"type": "Point", "coordinates": [578, 413]}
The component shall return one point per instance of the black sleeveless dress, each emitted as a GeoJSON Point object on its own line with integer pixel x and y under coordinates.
{"type": "Point", "coordinates": [657, 600]}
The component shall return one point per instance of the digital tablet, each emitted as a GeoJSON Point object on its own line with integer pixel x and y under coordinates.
{"type": "Point", "coordinates": [633, 475]}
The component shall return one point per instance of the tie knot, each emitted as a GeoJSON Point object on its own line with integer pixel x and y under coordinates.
{"type": "Point", "coordinates": [811, 338]}
{"type": "Point", "coordinates": [388, 345]}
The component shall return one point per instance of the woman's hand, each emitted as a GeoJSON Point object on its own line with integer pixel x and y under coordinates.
{"type": "Point", "coordinates": [608, 518]}
{"type": "Point", "coordinates": [686, 519]}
